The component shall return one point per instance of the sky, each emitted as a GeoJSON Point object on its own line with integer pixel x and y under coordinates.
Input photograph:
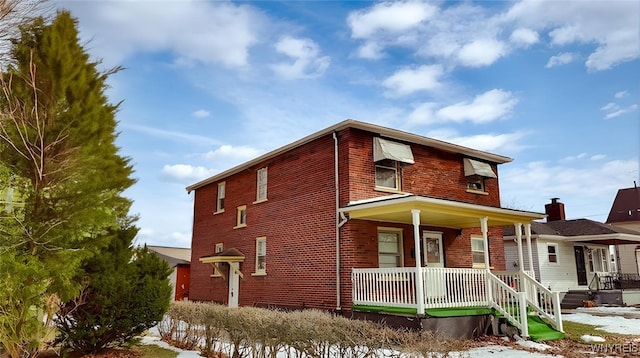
{"type": "Point", "coordinates": [207, 85]}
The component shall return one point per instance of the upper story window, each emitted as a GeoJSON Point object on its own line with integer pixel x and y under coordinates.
{"type": "Point", "coordinates": [261, 187]}
{"type": "Point", "coordinates": [219, 247]}
{"type": "Point", "coordinates": [220, 198]}
{"type": "Point", "coordinates": [476, 173]}
{"type": "Point", "coordinates": [241, 216]}
{"type": "Point", "coordinates": [388, 156]}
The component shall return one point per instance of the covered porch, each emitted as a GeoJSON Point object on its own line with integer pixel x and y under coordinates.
{"type": "Point", "coordinates": [424, 289]}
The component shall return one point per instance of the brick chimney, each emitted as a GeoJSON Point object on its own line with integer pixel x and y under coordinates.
{"type": "Point", "coordinates": [554, 210]}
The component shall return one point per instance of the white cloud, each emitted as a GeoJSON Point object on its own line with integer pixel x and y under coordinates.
{"type": "Point", "coordinates": [613, 110]}
{"type": "Point", "coordinates": [481, 52]}
{"type": "Point", "coordinates": [390, 17]}
{"type": "Point", "coordinates": [560, 59]}
{"type": "Point", "coordinates": [172, 135]}
{"type": "Point", "coordinates": [621, 94]}
{"type": "Point", "coordinates": [183, 173]}
{"type": "Point", "coordinates": [598, 157]}
{"type": "Point", "coordinates": [491, 142]}
{"type": "Point", "coordinates": [485, 107]}
{"type": "Point", "coordinates": [611, 25]}
{"type": "Point", "coordinates": [207, 32]}
{"type": "Point", "coordinates": [230, 152]}
{"type": "Point", "coordinates": [201, 113]}
{"type": "Point", "coordinates": [307, 62]}
{"type": "Point", "coordinates": [535, 182]}
{"type": "Point", "coordinates": [524, 37]}
{"type": "Point", "coordinates": [371, 50]}
{"type": "Point", "coordinates": [408, 80]}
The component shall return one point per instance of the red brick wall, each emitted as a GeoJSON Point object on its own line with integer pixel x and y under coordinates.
{"type": "Point", "coordinates": [298, 220]}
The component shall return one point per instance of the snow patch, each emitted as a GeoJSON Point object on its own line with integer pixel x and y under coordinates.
{"type": "Point", "coordinates": [592, 339]}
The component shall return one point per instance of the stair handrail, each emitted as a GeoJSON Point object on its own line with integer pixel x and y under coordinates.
{"type": "Point", "coordinates": [544, 301]}
{"type": "Point", "coordinates": [502, 298]}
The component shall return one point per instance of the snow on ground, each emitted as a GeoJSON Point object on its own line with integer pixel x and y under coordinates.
{"type": "Point", "coordinates": [621, 320]}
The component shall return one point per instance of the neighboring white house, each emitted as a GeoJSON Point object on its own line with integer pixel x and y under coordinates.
{"type": "Point", "coordinates": [625, 213]}
{"type": "Point", "coordinates": [179, 259]}
{"type": "Point", "coordinates": [569, 254]}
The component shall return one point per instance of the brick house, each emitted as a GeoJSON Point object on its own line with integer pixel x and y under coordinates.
{"type": "Point", "coordinates": [363, 220]}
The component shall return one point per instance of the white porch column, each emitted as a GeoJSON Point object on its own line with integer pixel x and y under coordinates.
{"type": "Point", "coordinates": [485, 237]}
{"type": "Point", "coordinates": [527, 234]}
{"type": "Point", "coordinates": [518, 228]}
{"type": "Point", "coordinates": [415, 213]}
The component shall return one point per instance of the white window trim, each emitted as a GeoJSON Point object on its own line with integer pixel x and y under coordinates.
{"type": "Point", "coordinates": [260, 184]}
{"type": "Point", "coordinates": [219, 248]}
{"type": "Point", "coordinates": [481, 239]}
{"type": "Point", "coordinates": [239, 211]}
{"type": "Point", "coordinates": [477, 179]}
{"type": "Point", "coordinates": [261, 272]}
{"type": "Point", "coordinates": [223, 191]}
{"type": "Point", "coordinates": [394, 230]}
{"type": "Point", "coordinates": [395, 168]}
{"type": "Point", "coordinates": [555, 245]}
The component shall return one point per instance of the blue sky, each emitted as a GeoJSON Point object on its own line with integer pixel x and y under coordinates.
{"type": "Point", "coordinates": [208, 85]}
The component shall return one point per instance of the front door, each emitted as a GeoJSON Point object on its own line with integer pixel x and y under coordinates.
{"type": "Point", "coordinates": [234, 284]}
{"type": "Point", "coordinates": [432, 249]}
{"type": "Point", "coordinates": [581, 268]}
{"type": "Point", "coordinates": [435, 280]}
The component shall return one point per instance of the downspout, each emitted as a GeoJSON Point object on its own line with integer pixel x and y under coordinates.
{"type": "Point", "coordinates": [339, 224]}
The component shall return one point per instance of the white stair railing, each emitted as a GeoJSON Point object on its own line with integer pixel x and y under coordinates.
{"type": "Point", "coordinates": [543, 300]}
{"type": "Point", "coordinates": [509, 302]}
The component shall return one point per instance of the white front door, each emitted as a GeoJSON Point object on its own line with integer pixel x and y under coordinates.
{"type": "Point", "coordinates": [432, 249]}
{"type": "Point", "coordinates": [234, 284]}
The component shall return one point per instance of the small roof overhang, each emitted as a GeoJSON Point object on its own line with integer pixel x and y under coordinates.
{"type": "Point", "coordinates": [229, 256]}
{"type": "Point", "coordinates": [474, 167]}
{"type": "Point", "coordinates": [388, 149]}
{"type": "Point", "coordinates": [435, 212]}
{"type": "Point", "coordinates": [608, 239]}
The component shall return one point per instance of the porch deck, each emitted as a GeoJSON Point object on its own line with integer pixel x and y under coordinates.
{"type": "Point", "coordinates": [452, 291]}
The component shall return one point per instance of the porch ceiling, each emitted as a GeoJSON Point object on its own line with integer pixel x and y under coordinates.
{"type": "Point", "coordinates": [435, 212]}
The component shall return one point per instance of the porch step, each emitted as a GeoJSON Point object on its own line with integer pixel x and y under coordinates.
{"type": "Point", "coordinates": [539, 330]}
{"type": "Point", "coordinates": [574, 299]}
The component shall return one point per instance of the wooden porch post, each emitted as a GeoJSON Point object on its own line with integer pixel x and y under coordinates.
{"type": "Point", "coordinates": [518, 228]}
{"type": "Point", "coordinates": [415, 213]}
{"type": "Point", "coordinates": [527, 234]}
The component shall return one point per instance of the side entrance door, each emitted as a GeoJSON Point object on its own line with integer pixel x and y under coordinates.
{"type": "Point", "coordinates": [581, 267]}
{"type": "Point", "coordinates": [234, 284]}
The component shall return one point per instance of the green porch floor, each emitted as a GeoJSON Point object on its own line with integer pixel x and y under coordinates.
{"type": "Point", "coordinates": [538, 329]}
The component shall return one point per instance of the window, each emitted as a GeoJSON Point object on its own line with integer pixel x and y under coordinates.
{"type": "Point", "coordinates": [552, 253]}
{"type": "Point", "coordinates": [598, 259]}
{"type": "Point", "coordinates": [389, 248]}
{"type": "Point", "coordinates": [261, 188]}
{"type": "Point", "coordinates": [476, 183]}
{"type": "Point", "coordinates": [220, 199]}
{"type": "Point", "coordinates": [387, 174]}
{"type": "Point", "coordinates": [219, 247]}
{"type": "Point", "coordinates": [261, 256]}
{"type": "Point", "coordinates": [477, 250]}
{"type": "Point", "coordinates": [241, 216]}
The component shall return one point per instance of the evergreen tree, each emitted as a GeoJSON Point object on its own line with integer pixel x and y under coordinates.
{"type": "Point", "coordinates": [128, 292]}
{"type": "Point", "coordinates": [57, 141]}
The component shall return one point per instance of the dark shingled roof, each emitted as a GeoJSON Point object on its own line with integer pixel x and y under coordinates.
{"type": "Point", "coordinates": [626, 206]}
{"type": "Point", "coordinates": [568, 228]}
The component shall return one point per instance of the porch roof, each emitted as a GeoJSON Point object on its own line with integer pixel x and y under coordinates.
{"type": "Point", "coordinates": [435, 212]}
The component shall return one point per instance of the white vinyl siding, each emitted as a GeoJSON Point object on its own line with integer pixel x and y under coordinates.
{"type": "Point", "coordinates": [552, 254]}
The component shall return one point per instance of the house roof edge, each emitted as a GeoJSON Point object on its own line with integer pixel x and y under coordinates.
{"type": "Point", "coordinates": [352, 123]}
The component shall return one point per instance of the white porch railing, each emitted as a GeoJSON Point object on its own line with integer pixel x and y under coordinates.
{"type": "Point", "coordinates": [508, 292]}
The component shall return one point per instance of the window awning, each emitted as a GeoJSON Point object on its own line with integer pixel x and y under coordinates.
{"type": "Point", "coordinates": [474, 167]}
{"type": "Point", "coordinates": [386, 149]}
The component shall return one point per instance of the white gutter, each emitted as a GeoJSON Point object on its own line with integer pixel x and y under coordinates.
{"type": "Point", "coordinates": [339, 214]}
